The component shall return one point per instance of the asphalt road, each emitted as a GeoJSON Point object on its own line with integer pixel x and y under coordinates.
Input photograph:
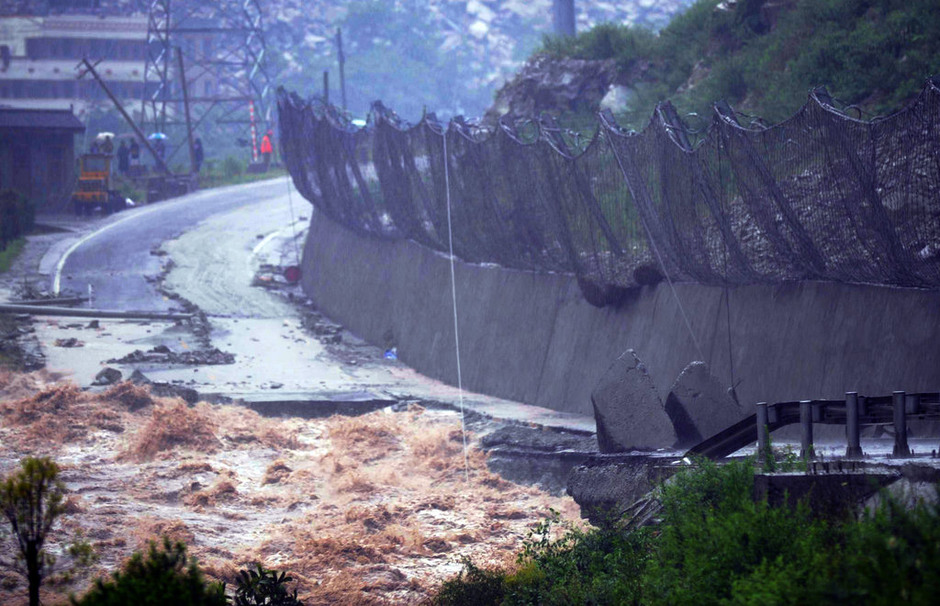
{"type": "Point", "coordinates": [210, 246]}
{"type": "Point", "coordinates": [117, 261]}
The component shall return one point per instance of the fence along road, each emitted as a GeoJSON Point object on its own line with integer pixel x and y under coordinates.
{"type": "Point", "coordinates": [820, 196]}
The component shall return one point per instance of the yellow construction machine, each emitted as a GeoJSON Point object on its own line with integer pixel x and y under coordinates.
{"type": "Point", "coordinates": [93, 191]}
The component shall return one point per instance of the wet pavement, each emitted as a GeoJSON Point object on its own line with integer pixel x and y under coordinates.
{"type": "Point", "coordinates": [214, 251]}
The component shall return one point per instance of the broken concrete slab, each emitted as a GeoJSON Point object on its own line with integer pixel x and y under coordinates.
{"type": "Point", "coordinates": [605, 486]}
{"type": "Point", "coordinates": [165, 390]}
{"type": "Point", "coordinates": [628, 411]}
{"type": "Point", "coordinates": [699, 406]}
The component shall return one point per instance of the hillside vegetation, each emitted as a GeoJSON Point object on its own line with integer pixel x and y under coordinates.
{"type": "Point", "coordinates": [763, 56]}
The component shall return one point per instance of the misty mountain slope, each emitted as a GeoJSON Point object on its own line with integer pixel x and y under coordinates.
{"type": "Point", "coordinates": [449, 56]}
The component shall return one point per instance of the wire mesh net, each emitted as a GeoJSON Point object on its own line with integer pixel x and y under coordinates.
{"type": "Point", "coordinates": [820, 196]}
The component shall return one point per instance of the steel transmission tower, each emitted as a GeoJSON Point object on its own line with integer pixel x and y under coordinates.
{"type": "Point", "coordinates": [224, 62]}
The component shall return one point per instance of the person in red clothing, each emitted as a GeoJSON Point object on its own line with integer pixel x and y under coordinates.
{"type": "Point", "coordinates": [267, 150]}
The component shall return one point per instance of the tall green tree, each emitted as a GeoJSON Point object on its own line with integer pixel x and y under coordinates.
{"type": "Point", "coordinates": [32, 501]}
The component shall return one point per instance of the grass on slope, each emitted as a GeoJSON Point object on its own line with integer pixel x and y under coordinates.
{"type": "Point", "coordinates": [764, 56]}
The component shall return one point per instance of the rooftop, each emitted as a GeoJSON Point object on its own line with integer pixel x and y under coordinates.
{"type": "Point", "coordinates": [62, 119]}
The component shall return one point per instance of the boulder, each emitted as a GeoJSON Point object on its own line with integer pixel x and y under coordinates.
{"type": "Point", "coordinates": [107, 376]}
{"type": "Point", "coordinates": [139, 378]}
{"type": "Point", "coordinates": [700, 406]}
{"type": "Point", "coordinates": [553, 84]}
{"type": "Point", "coordinates": [628, 411]}
{"type": "Point", "coordinates": [607, 485]}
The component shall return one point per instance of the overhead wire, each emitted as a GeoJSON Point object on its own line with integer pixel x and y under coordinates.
{"type": "Point", "coordinates": [453, 291]}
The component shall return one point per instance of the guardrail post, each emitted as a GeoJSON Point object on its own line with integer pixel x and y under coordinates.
{"type": "Point", "coordinates": [806, 430]}
{"type": "Point", "coordinates": [901, 448]}
{"type": "Point", "coordinates": [763, 437]}
{"type": "Point", "coordinates": [852, 432]}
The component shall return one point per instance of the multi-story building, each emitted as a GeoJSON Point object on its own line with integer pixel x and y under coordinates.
{"type": "Point", "coordinates": [39, 59]}
{"type": "Point", "coordinates": [40, 55]}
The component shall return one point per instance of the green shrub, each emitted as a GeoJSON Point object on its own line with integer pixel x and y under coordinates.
{"type": "Point", "coordinates": [163, 576]}
{"type": "Point", "coordinates": [717, 541]}
{"type": "Point", "coordinates": [263, 587]}
{"type": "Point", "coordinates": [232, 167]}
{"type": "Point", "coordinates": [893, 554]}
{"type": "Point", "coordinates": [473, 586]}
{"type": "Point", "coordinates": [599, 566]}
{"type": "Point", "coordinates": [17, 217]}
{"type": "Point", "coordinates": [716, 545]}
{"type": "Point", "coordinates": [32, 501]}
{"type": "Point", "coordinates": [873, 53]}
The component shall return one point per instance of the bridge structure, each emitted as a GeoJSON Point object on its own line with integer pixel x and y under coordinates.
{"type": "Point", "coordinates": [854, 412]}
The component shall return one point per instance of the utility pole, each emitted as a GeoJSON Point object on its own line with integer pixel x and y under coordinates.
{"type": "Point", "coordinates": [563, 17]}
{"type": "Point", "coordinates": [189, 123]}
{"type": "Point", "coordinates": [90, 69]}
{"type": "Point", "coordinates": [342, 66]}
{"type": "Point", "coordinates": [326, 87]}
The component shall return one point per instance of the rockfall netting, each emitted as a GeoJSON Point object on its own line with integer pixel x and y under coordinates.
{"type": "Point", "coordinates": [821, 196]}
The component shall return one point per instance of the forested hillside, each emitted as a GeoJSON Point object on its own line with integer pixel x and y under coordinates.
{"type": "Point", "coordinates": [448, 56]}
{"type": "Point", "coordinates": [763, 56]}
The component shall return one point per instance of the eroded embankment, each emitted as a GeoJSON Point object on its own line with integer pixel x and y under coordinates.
{"type": "Point", "coordinates": [366, 510]}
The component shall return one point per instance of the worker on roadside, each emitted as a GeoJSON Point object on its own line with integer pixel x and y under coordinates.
{"type": "Point", "coordinates": [135, 154]}
{"type": "Point", "coordinates": [108, 146]}
{"type": "Point", "coordinates": [160, 147]}
{"type": "Point", "coordinates": [198, 154]}
{"type": "Point", "coordinates": [123, 156]}
{"type": "Point", "coordinates": [267, 149]}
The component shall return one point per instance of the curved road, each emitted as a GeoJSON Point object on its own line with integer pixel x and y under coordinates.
{"type": "Point", "coordinates": [214, 241]}
{"type": "Point", "coordinates": [117, 261]}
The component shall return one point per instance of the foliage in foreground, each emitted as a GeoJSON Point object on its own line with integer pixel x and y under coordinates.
{"type": "Point", "coordinates": [17, 217]}
{"type": "Point", "coordinates": [165, 575]}
{"type": "Point", "coordinates": [716, 545]}
{"type": "Point", "coordinates": [32, 500]}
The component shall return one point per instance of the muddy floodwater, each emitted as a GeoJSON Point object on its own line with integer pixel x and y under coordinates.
{"type": "Point", "coordinates": [374, 509]}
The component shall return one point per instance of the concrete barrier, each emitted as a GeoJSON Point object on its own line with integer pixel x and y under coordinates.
{"type": "Point", "coordinates": [532, 338]}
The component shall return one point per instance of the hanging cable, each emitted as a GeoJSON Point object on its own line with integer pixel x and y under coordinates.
{"type": "Point", "coordinates": [453, 291]}
{"type": "Point", "coordinates": [293, 228]}
{"type": "Point", "coordinates": [649, 234]}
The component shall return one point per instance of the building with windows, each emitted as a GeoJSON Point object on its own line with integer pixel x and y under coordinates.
{"type": "Point", "coordinates": [39, 58]}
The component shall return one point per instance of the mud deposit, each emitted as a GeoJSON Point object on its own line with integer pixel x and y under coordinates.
{"type": "Point", "coordinates": [360, 510]}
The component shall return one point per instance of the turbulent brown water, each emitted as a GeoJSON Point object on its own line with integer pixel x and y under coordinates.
{"type": "Point", "coordinates": [360, 510]}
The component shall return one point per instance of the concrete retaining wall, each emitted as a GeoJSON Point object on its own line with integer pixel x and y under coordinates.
{"type": "Point", "coordinates": [532, 337]}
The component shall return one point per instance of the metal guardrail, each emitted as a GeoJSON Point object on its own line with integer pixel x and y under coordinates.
{"type": "Point", "coordinates": [854, 412]}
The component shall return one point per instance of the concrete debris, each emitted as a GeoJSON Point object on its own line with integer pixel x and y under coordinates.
{"type": "Point", "coordinates": [70, 342]}
{"type": "Point", "coordinates": [325, 331]}
{"type": "Point", "coordinates": [162, 354]}
{"type": "Point", "coordinates": [165, 390]}
{"type": "Point", "coordinates": [606, 486]}
{"type": "Point", "coordinates": [699, 406]}
{"type": "Point", "coordinates": [537, 439]}
{"type": "Point", "coordinates": [19, 347]}
{"type": "Point", "coordinates": [108, 376]}
{"type": "Point", "coordinates": [139, 378]}
{"type": "Point", "coordinates": [628, 411]}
